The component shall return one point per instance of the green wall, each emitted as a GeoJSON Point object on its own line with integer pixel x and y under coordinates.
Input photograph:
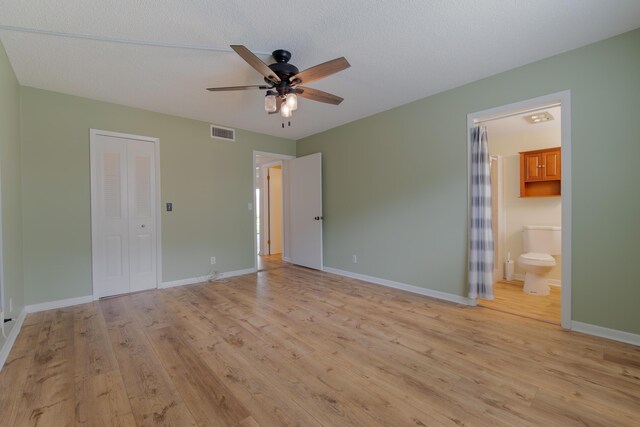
{"type": "Point", "coordinates": [395, 184]}
{"type": "Point", "coordinates": [10, 188]}
{"type": "Point", "coordinates": [209, 182]}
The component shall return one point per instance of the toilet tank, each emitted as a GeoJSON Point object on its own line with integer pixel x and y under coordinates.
{"type": "Point", "coordinates": [542, 239]}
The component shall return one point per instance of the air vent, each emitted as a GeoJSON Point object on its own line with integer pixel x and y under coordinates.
{"type": "Point", "coordinates": [218, 132]}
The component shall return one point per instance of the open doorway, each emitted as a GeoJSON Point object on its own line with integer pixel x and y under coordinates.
{"type": "Point", "coordinates": [530, 165]}
{"type": "Point", "coordinates": [270, 194]}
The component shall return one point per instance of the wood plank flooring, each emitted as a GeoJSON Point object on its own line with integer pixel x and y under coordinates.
{"type": "Point", "coordinates": [509, 298]}
{"type": "Point", "coordinates": [296, 347]}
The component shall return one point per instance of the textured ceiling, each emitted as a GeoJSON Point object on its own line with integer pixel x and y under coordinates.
{"type": "Point", "coordinates": [399, 51]}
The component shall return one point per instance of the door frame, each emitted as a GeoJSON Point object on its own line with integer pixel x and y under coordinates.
{"type": "Point", "coordinates": [285, 200]}
{"type": "Point", "coordinates": [264, 184]}
{"type": "Point", "coordinates": [564, 99]}
{"type": "Point", "coordinates": [2, 296]}
{"type": "Point", "coordinates": [93, 133]}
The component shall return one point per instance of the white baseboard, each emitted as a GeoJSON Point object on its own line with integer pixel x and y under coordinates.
{"type": "Point", "coordinates": [403, 286]}
{"type": "Point", "coordinates": [286, 259]}
{"type": "Point", "coordinates": [552, 282]}
{"type": "Point", "coordinates": [8, 344]}
{"type": "Point", "coordinates": [201, 279]}
{"type": "Point", "coordinates": [182, 282]}
{"type": "Point", "coordinates": [32, 308]}
{"type": "Point", "coordinates": [612, 334]}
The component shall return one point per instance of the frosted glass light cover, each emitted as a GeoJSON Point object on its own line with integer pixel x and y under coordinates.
{"type": "Point", "coordinates": [285, 110]}
{"type": "Point", "coordinates": [292, 101]}
{"type": "Point", "coordinates": [270, 103]}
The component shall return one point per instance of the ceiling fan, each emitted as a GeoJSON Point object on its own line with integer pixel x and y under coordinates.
{"type": "Point", "coordinates": [284, 81]}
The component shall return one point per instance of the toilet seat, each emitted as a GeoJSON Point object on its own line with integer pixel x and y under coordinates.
{"type": "Point", "coordinates": [538, 259]}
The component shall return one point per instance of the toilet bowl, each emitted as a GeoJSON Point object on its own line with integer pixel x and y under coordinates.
{"type": "Point", "coordinates": [540, 242]}
{"type": "Point", "coordinates": [536, 267]}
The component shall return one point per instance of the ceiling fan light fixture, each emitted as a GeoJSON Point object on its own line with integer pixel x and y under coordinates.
{"type": "Point", "coordinates": [270, 105]}
{"type": "Point", "coordinates": [292, 101]}
{"type": "Point", "coordinates": [285, 110]}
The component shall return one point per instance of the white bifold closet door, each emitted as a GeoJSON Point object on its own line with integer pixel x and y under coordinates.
{"type": "Point", "coordinates": [123, 214]}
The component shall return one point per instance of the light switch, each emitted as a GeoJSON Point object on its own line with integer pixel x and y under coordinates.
{"type": "Point", "coordinates": [169, 206]}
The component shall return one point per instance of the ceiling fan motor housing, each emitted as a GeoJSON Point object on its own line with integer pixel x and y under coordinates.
{"type": "Point", "coordinates": [282, 68]}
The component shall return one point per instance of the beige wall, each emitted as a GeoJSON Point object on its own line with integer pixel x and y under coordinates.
{"type": "Point", "coordinates": [524, 211]}
{"type": "Point", "coordinates": [275, 212]}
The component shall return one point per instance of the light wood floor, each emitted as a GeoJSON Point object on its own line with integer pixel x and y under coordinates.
{"type": "Point", "coordinates": [508, 297]}
{"type": "Point", "coordinates": [291, 346]}
{"type": "Point", "coordinates": [268, 262]}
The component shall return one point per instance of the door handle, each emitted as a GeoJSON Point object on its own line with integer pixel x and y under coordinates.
{"type": "Point", "coordinates": [142, 226]}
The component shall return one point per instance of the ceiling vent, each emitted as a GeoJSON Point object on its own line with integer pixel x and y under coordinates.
{"type": "Point", "coordinates": [218, 132]}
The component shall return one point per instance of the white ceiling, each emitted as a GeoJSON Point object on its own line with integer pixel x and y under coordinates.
{"type": "Point", "coordinates": [517, 125]}
{"type": "Point", "coordinates": [399, 51]}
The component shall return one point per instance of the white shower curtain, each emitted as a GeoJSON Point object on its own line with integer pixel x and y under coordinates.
{"type": "Point", "coordinates": [481, 238]}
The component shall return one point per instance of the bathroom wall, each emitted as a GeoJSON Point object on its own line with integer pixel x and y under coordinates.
{"type": "Point", "coordinates": [524, 211]}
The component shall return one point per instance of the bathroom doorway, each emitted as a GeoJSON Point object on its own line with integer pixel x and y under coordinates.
{"type": "Point", "coordinates": [526, 209]}
{"type": "Point", "coordinates": [270, 199]}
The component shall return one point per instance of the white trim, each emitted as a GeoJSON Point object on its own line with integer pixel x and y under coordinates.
{"type": "Point", "coordinates": [403, 286]}
{"type": "Point", "coordinates": [182, 282]}
{"type": "Point", "coordinates": [2, 301]}
{"type": "Point", "coordinates": [156, 144]}
{"type": "Point", "coordinates": [564, 98]}
{"type": "Point", "coordinates": [253, 198]}
{"type": "Point", "coordinates": [552, 282]}
{"type": "Point", "coordinates": [61, 303]}
{"type": "Point", "coordinates": [602, 332]}
{"type": "Point", "coordinates": [11, 339]}
{"type": "Point", "coordinates": [202, 279]}
{"type": "Point", "coordinates": [286, 259]}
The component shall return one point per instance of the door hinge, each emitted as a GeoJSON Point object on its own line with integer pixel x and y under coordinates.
{"type": "Point", "coordinates": [268, 178]}
{"type": "Point", "coordinates": [268, 242]}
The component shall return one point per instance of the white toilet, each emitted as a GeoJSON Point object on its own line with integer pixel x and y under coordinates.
{"type": "Point", "coordinates": [540, 242]}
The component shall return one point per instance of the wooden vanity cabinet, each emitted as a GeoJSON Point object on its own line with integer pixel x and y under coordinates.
{"type": "Point", "coordinates": [541, 173]}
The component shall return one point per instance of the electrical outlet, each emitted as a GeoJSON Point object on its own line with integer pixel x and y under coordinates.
{"type": "Point", "coordinates": [213, 260]}
{"type": "Point", "coordinates": [355, 259]}
{"type": "Point", "coordinates": [10, 305]}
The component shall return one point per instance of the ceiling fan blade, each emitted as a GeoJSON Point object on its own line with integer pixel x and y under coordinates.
{"type": "Point", "coordinates": [221, 89]}
{"type": "Point", "coordinates": [322, 70]}
{"type": "Point", "coordinates": [278, 105]}
{"type": "Point", "coordinates": [318, 95]}
{"type": "Point", "coordinates": [255, 62]}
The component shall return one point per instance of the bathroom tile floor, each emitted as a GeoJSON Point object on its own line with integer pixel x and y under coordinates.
{"type": "Point", "coordinates": [509, 298]}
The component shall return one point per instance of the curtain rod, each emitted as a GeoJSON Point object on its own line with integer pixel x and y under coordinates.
{"type": "Point", "coordinates": [517, 113]}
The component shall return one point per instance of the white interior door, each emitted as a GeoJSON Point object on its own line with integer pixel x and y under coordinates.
{"type": "Point", "coordinates": [142, 215]}
{"type": "Point", "coordinates": [306, 210]}
{"type": "Point", "coordinates": [123, 215]}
